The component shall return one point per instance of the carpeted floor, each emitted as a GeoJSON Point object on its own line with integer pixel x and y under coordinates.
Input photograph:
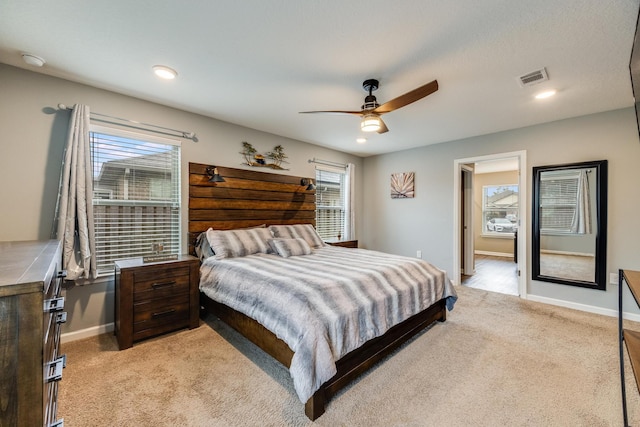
{"type": "Point", "coordinates": [496, 361]}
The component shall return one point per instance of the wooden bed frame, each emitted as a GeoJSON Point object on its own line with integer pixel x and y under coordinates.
{"type": "Point", "coordinates": [251, 198]}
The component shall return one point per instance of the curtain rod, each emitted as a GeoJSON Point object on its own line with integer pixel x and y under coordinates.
{"type": "Point", "coordinates": [180, 133]}
{"type": "Point", "coordinates": [327, 163]}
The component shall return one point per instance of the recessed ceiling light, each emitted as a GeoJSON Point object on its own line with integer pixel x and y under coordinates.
{"type": "Point", "coordinates": [546, 94]}
{"type": "Point", "coordinates": [361, 140]}
{"type": "Point", "coordinates": [30, 59]}
{"type": "Point", "coordinates": [164, 72]}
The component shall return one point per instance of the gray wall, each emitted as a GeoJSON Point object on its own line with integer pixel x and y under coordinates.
{"type": "Point", "coordinates": [426, 221]}
{"type": "Point", "coordinates": [32, 137]}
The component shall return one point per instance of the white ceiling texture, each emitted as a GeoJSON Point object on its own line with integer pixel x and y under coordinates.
{"type": "Point", "coordinates": [258, 63]}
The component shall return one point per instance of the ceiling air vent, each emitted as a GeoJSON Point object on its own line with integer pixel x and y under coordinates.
{"type": "Point", "coordinates": [533, 77]}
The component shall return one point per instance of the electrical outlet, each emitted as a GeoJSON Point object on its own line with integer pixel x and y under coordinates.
{"type": "Point", "coordinates": [419, 254]}
{"type": "Point", "coordinates": [613, 278]}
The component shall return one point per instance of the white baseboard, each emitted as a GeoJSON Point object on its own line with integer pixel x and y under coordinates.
{"type": "Point", "coordinates": [500, 254]}
{"type": "Point", "coordinates": [583, 307]}
{"type": "Point", "coordinates": [86, 333]}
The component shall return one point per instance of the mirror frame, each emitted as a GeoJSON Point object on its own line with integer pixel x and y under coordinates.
{"type": "Point", "coordinates": [600, 282]}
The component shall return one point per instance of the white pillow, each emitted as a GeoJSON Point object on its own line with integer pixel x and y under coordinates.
{"type": "Point", "coordinates": [290, 247]}
{"type": "Point", "coordinates": [298, 231]}
{"type": "Point", "coordinates": [237, 243]}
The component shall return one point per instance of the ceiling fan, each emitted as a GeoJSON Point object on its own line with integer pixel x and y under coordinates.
{"type": "Point", "coordinates": [371, 110]}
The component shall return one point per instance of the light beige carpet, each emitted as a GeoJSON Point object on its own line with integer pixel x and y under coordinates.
{"type": "Point", "coordinates": [496, 361]}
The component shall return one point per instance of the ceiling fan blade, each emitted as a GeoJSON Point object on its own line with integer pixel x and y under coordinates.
{"type": "Point", "coordinates": [407, 98]}
{"type": "Point", "coordinates": [383, 126]}
{"type": "Point", "coordinates": [359, 113]}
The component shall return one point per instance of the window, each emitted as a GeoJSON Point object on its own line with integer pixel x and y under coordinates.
{"type": "Point", "coordinates": [558, 201]}
{"type": "Point", "coordinates": [331, 203]}
{"type": "Point", "coordinates": [136, 197]}
{"type": "Point", "coordinates": [500, 209]}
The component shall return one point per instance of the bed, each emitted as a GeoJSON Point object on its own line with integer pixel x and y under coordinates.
{"type": "Point", "coordinates": [246, 289]}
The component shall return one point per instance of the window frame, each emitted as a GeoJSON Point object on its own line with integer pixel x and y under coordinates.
{"type": "Point", "coordinates": [484, 211]}
{"type": "Point", "coordinates": [174, 201]}
{"type": "Point", "coordinates": [343, 208]}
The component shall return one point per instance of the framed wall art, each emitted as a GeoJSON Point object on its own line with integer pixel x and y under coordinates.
{"type": "Point", "coordinates": [402, 185]}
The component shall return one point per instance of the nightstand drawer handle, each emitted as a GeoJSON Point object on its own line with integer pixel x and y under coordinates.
{"type": "Point", "coordinates": [163, 284]}
{"type": "Point", "coordinates": [164, 313]}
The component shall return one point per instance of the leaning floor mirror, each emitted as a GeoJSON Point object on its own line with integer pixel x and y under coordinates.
{"type": "Point", "coordinates": [570, 224]}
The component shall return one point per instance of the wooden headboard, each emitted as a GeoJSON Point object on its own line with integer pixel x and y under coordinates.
{"type": "Point", "coordinates": [247, 198]}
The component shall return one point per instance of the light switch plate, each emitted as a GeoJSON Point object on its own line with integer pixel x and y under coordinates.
{"type": "Point", "coordinates": [613, 278]}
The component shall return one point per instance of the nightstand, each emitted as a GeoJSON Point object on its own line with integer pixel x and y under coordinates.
{"type": "Point", "coordinates": [155, 297]}
{"type": "Point", "coordinates": [344, 243]}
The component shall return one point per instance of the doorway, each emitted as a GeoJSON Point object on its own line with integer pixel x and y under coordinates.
{"type": "Point", "coordinates": [489, 252]}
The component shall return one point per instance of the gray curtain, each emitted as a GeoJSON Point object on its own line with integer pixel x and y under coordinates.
{"type": "Point", "coordinates": [75, 209]}
{"type": "Point", "coordinates": [350, 229]}
{"type": "Point", "coordinates": [581, 223]}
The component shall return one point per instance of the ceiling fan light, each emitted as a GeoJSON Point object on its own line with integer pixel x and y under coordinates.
{"type": "Point", "coordinates": [370, 123]}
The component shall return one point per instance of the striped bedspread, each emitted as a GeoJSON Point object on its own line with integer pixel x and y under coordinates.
{"type": "Point", "coordinates": [325, 304]}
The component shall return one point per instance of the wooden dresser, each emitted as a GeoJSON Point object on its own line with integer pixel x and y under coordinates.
{"type": "Point", "coordinates": [30, 318]}
{"type": "Point", "coordinates": [154, 298]}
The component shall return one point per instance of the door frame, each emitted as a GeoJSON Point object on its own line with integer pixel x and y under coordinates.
{"type": "Point", "coordinates": [523, 252]}
{"type": "Point", "coordinates": [466, 225]}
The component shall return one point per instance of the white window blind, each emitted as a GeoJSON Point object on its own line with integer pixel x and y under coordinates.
{"type": "Point", "coordinates": [558, 201]}
{"type": "Point", "coordinates": [136, 196]}
{"type": "Point", "coordinates": [330, 203]}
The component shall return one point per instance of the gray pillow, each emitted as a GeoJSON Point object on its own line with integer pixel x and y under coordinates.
{"type": "Point", "coordinates": [298, 231]}
{"type": "Point", "coordinates": [237, 243]}
{"type": "Point", "coordinates": [203, 249]}
{"type": "Point", "coordinates": [290, 247]}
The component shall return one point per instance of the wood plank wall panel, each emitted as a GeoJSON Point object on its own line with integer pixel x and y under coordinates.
{"type": "Point", "coordinates": [247, 198]}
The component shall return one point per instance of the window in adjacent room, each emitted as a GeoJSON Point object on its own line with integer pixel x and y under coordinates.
{"type": "Point", "coordinates": [500, 209]}
{"type": "Point", "coordinates": [331, 203]}
{"type": "Point", "coordinates": [136, 195]}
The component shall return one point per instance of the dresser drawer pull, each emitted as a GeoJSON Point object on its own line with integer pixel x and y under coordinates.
{"type": "Point", "coordinates": [163, 284]}
{"type": "Point", "coordinates": [164, 313]}
{"type": "Point", "coordinates": [54, 304]}
{"type": "Point", "coordinates": [61, 317]}
{"type": "Point", "coordinates": [54, 369]}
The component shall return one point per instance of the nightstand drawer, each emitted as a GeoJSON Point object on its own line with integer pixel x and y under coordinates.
{"type": "Point", "coordinates": [154, 322]}
{"type": "Point", "coordinates": [165, 285]}
{"type": "Point", "coordinates": [145, 309]}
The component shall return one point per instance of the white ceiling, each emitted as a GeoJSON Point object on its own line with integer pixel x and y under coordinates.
{"type": "Point", "coordinates": [257, 63]}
